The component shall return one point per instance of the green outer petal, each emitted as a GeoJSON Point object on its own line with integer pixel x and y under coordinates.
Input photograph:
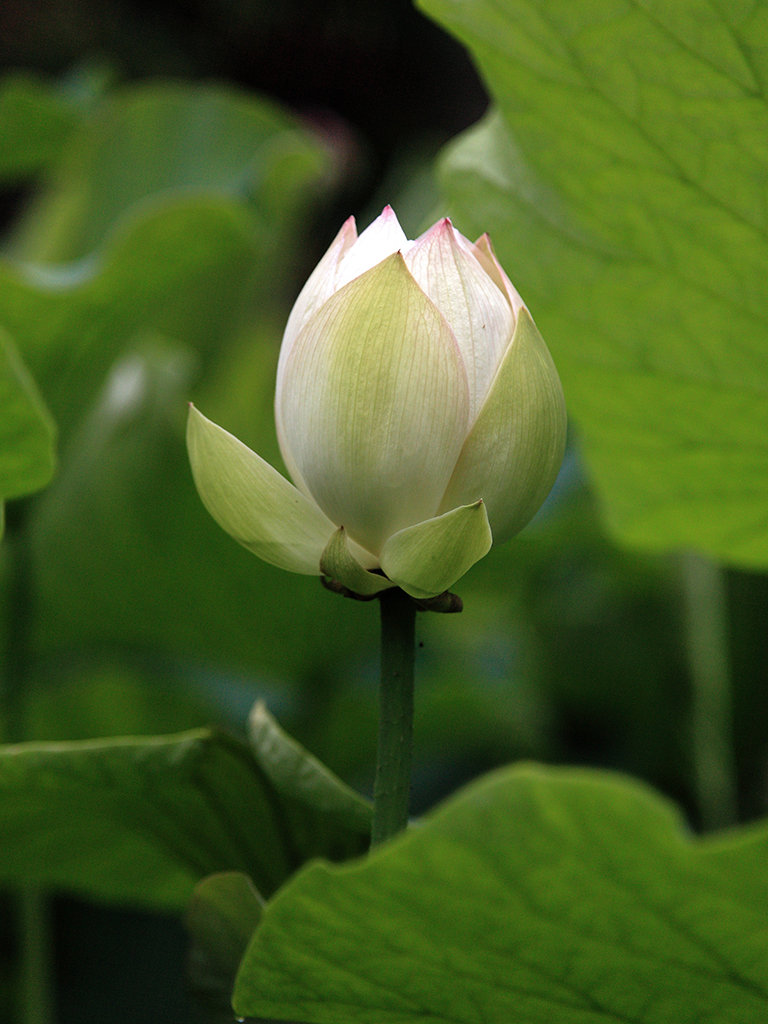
{"type": "Point", "coordinates": [375, 404]}
{"type": "Point", "coordinates": [338, 563]}
{"type": "Point", "coordinates": [428, 558]}
{"type": "Point", "coordinates": [253, 502]}
{"type": "Point", "coordinates": [514, 451]}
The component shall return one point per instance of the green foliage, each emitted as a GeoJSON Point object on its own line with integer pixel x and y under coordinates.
{"type": "Point", "coordinates": [141, 821]}
{"type": "Point", "coordinates": [317, 804]}
{"type": "Point", "coordinates": [536, 895]}
{"type": "Point", "coordinates": [223, 913]}
{"type": "Point", "coordinates": [152, 145]}
{"type": "Point", "coordinates": [623, 183]}
{"type": "Point", "coordinates": [181, 269]}
{"type": "Point", "coordinates": [35, 122]}
{"type": "Point", "coordinates": [162, 203]}
{"type": "Point", "coordinates": [26, 431]}
{"type": "Point", "coordinates": [130, 820]}
{"type": "Point", "coordinates": [177, 212]}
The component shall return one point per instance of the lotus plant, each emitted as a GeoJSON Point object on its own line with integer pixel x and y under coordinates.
{"type": "Point", "coordinates": [421, 419]}
{"type": "Point", "coordinates": [418, 412]}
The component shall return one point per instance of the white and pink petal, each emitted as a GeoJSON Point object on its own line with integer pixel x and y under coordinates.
{"type": "Point", "coordinates": [478, 312]}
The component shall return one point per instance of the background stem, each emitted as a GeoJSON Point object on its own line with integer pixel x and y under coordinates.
{"type": "Point", "coordinates": [35, 986]}
{"type": "Point", "coordinates": [392, 785]}
{"type": "Point", "coordinates": [711, 712]}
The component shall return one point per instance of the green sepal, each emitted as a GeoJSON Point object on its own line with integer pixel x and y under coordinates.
{"type": "Point", "coordinates": [251, 501]}
{"type": "Point", "coordinates": [426, 559]}
{"type": "Point", "coordinates": [338, 563]}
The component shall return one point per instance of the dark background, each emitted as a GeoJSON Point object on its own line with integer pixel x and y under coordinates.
{"type": "Point", "coordinates": [374, 73]}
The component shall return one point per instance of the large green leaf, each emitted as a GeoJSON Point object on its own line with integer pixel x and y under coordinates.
{"type": "Point", "coordinates": [183, 268]}
{"type": "Point", "coordinates": [155, 143]}
{"type": "Point", "coordinates": [26, 430]}
{"type": "Point", "coordinates": [316, 801]}
{"type": "Point", "coordinates": [625, 189]}
{"type": "Point", "coordinates": [160, 585]}
{"type": "Point", "coordinates": [142, 820]}
{"type": "Point", "coordinates": [536, 895]}
{"type": "Point", "coordinates": [170, 210]}
{"type": "Point", "coordinates": [178, 208]}
{"type": "Point", "coordinates": [221, 917]}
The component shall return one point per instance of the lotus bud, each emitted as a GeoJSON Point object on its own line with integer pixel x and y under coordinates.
{"type": "Point", "coordinates": [418, 412]}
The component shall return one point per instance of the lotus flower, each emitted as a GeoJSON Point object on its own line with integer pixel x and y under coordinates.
{"type": "Point", "coordinates": [418, 412]}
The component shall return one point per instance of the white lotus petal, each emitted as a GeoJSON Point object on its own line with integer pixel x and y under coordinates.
{"type": "Point", "coordinates": [375, 402]}
{"type": "Point", "coordinates": [478, 312]}
{"type": "Point", "coordinates": [484, 253]}
{"type": "Point", "coordinates": [379, 240]}
{"type": "Point", "coordinates": [516, 447]}
{"type": "Point", "coordinates": [253, 502]}
{"type": "Point", "coordinates": [320, 285]}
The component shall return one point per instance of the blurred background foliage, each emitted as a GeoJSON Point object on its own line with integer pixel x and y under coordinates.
{"type": "Point", "coordinates": [170, 174]}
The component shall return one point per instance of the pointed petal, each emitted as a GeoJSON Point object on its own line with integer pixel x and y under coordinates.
{"type": "Point", "coordinates": [253, 502]}
{"type": "Point", "coordinates": [321, 283]}
{"type": "Point", "coordinates": [375, 405]}
{"type": "Point", "coordinates": [380, 239]}
{"type": "Point", "coordinates": [338, 563]}
{"type": "Point", "coordinates": [514, 451]}
{"type": "Point", "coordinates": [478, 312]}
{"type": "Point", "coordinates": [347, 258]}
{"type": "Point", "coordinates": [487, 257]}
{"type": "Point", "coordinates": [319, 287]}
{"type": "Point", "coordinates": [426, 559]}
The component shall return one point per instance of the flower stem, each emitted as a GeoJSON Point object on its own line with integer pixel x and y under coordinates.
{"type": "Point", "coordinates": [392, 786]}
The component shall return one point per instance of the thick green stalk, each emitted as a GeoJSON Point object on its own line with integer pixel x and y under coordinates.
{"type": "Point", "coordinates": [392, 786]}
